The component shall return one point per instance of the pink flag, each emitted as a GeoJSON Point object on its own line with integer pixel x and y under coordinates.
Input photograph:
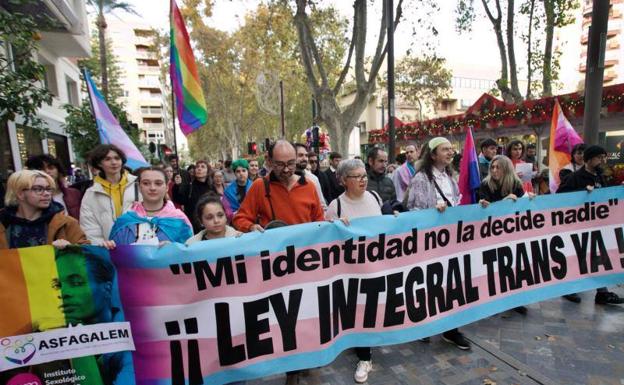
{"type": "Point", "coordinates": [562, 138]}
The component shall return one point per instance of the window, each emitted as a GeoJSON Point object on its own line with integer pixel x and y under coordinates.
{"type": "Point", "coordinates": [49, 79]}
{"type": "Point", "coordinates": [72, 91]}
{"type": "Point", "coordinates": [29, 142]}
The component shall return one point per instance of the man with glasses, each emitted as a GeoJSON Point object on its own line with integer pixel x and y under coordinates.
{"type": "Point", "coordinates": [302, 167]}
{"type": "Point", "coordinates": [378, 181]}
{"type": "Point", "coordinates": [314, 163]}
{"type": "Point", "coordinates": [283, 195]}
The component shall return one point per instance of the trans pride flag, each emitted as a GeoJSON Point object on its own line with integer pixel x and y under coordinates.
{"type": "Point", "coordinates": [109, 129]}
{"type": "Point", "coordinates": [190, 103]}
{"type": "Point", "coordinates": [469, 176]}
{"type": "Point", "coordinates": [562, 138]}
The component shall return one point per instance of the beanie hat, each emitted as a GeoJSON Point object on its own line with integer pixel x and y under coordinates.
{"type": "Point", "coordinates": [438, 140]}
{"type": "Point", "coordinates": [240, 163]}
{"type": "Point", "coordinates": [592, 152]}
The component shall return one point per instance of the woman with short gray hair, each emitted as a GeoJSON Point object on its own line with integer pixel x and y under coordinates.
{"type": "Point", "coordinates": [355, 202]}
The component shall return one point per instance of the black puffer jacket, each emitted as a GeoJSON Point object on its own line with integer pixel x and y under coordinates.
{"type": "Point", "coordinates": [382, 185]}
{"type": "Point", "coordinates": [188, 195]}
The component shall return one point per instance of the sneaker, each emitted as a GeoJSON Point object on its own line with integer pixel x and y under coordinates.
{"type": "Point", "coordinates": [425, 340]}
{"type": "Point", "coordinates": [457, 339]}
{"type": "Point", "coordinates": [520, 310]}
{"type": "Point", "coordinates": [292, 378]}
{"type": "Point", "coordinates": [361, 371]}
{"type": "Point", "coordinates": [608, 298]}
{"type": "Point", "coordinates": [573, 297]}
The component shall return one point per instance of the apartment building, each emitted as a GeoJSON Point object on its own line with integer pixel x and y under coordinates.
{"type": "Point", "coordinates": [133, 44]}
{"type": "Point", "coordinates": [58, 52]}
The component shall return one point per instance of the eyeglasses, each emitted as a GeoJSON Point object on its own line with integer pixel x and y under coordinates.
{"type": "Point", "coordinates": [358, 177]}
{"type": "Point", "coordinates": [281, 165]}
{"type": "Point", "coordinates": [39, 190]}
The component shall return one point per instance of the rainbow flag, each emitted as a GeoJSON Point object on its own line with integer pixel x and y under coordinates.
{"type": "Point", "coordinates": [190, 103]}
{"type": "Point", "coordinates": [562, 138]}
{"type": "Point", "coordinates": [469, 176]}
{"type": "Point", "coordinates": [109, 129]}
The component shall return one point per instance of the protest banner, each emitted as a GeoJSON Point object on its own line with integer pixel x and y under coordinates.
{"type": "Point", "coordinates": [295, 297]}
{"type": "Point", "coordinates": [62, 322]}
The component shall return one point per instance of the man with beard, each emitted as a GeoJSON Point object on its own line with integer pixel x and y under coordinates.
{"type": "Point", "coordinates": [283, 195]}
{"type": "Point", "coordinates": [175, 165]}
{"type": "Point", "coordinates": [314, 163]}
{"type": "Point", "coordinates": [378, 181]}
{"type": "Point", "coordinates": [589, 177]}
{"type": "Point", "coordinates": [302, 167]}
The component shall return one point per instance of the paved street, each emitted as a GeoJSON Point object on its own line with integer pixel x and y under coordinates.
{"type": "Point", "coordinates": [557, 342]}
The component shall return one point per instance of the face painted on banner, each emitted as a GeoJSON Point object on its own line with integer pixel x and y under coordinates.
{"type": "Point", "coordinates": [84, 299]}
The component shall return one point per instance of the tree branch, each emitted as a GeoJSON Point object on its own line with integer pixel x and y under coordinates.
{"type": "Point", "coordinates": [306, 58]}
{"type": "Point", "coordinates": [360, 45]}
{"type": "Point", "coordinates": [377, 63]}
{"type": "Point", "coordinates": [345, 69]}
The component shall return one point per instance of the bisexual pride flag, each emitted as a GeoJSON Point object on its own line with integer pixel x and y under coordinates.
{"type": "Point", "coordinates": [109, 129]}
{"type": "Point", "coordinates": [469, 176]}
{"type": "Point", "coordinates": [190, 104]}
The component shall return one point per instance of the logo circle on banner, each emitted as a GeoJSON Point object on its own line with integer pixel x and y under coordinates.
{"type": "Point", "coordinates": [25, 379]}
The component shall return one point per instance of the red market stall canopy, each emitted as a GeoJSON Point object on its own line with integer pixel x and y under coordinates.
{"type": "Point", "coordinates": [488, 113]}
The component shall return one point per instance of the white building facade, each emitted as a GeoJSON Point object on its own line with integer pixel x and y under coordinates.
{"type": "Point", "coordinates": [58, 52]}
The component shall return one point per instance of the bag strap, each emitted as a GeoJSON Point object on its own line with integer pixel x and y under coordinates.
{"type": "Point", "coordinates": [267, 194]}
{"type": "Point", "coordinates": [448, 202]}
{"type": "Point", "coordinates": [377, 197]}
{"type": "Point", "coordinates": [136, 191]}
{"type": "Point", "coordinates": [339, 211]}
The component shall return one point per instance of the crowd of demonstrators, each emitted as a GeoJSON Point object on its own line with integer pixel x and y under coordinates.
{"type": "Point", "coordinates": [302, 167]}
{"type": "Point", "coordinates": [488, 152]}
{"type": "Point", "coordinates": [236, 191]}
{"type": "Point", "coordinates": [160, 204]}
{"type": "Point", "coordinates": [187, 194]}
{"type": "Point", "coordinates": [32, 218]}
{"type": "Point", "coordinates": [154, 220]}
{"type": "Point", "coordinates": [355, 202]}
{"type": "Point", "coordinates": [433, 186]}
{"type": "Point", "coordinates": [329, 183]}
{"type": "Point", "coordinates": [405, 172]}
{"type": "Point", "coordinates": [113, 192]}
{"type": "Point", "coordinates": [67, 197]}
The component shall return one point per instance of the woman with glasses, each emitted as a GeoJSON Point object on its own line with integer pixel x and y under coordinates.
{"type": "Point", "coordinates": [355, 202]}
{"type": "Point", "coordinates": [32, 218]}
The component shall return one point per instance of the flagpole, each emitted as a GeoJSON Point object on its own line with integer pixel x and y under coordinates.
{"type": "Point", "coordinates": [173, 111]}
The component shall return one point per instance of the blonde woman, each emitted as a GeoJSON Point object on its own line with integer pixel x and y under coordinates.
{"type": "Point", "coordinates": [32, 218]}
{"type": "Point", "coordinates": [501, 183]}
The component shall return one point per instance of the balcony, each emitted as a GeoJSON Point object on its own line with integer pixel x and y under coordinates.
{"type": "Point", "coordinates": [69, 37]}
{"type": "Point", "coordinates": [154, 126]}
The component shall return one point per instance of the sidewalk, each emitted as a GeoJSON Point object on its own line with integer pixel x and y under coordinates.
{"type": "Point", "coordinates": [557, 342]}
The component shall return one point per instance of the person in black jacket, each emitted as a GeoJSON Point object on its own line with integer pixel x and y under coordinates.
{"type": "Point", "coordinates": [187, 194]}
{"type": "Point", "coordinates": [329, 184]}
{"type": "Point", "coordinates": [501, 183]}
{"type": "Point", "coordinates": [378, 181]}
{"type": "Point", "coordinates": [589, 177]}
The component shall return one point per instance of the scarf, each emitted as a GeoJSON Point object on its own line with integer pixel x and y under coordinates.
{"type": "Point", "coordinates": [175, 229]}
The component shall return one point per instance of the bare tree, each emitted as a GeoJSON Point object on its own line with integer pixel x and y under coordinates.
{"type": "Point", "coordinates": [340, 121]}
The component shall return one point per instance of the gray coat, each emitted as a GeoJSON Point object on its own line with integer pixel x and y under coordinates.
{"type": "Point", "coordinates": [382, 185]}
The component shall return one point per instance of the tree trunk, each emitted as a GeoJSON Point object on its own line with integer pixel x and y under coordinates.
{"type": "Point", "coordinates": [101, 25]}
{"type": "Point", "coordinates": [548, 47]}
{"type": "Point", "coordinates": [511, 53]}
{"type": "Point", "coordinates": [530, 52]}
{"type": "Point", "coordinates": [330, 113]}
